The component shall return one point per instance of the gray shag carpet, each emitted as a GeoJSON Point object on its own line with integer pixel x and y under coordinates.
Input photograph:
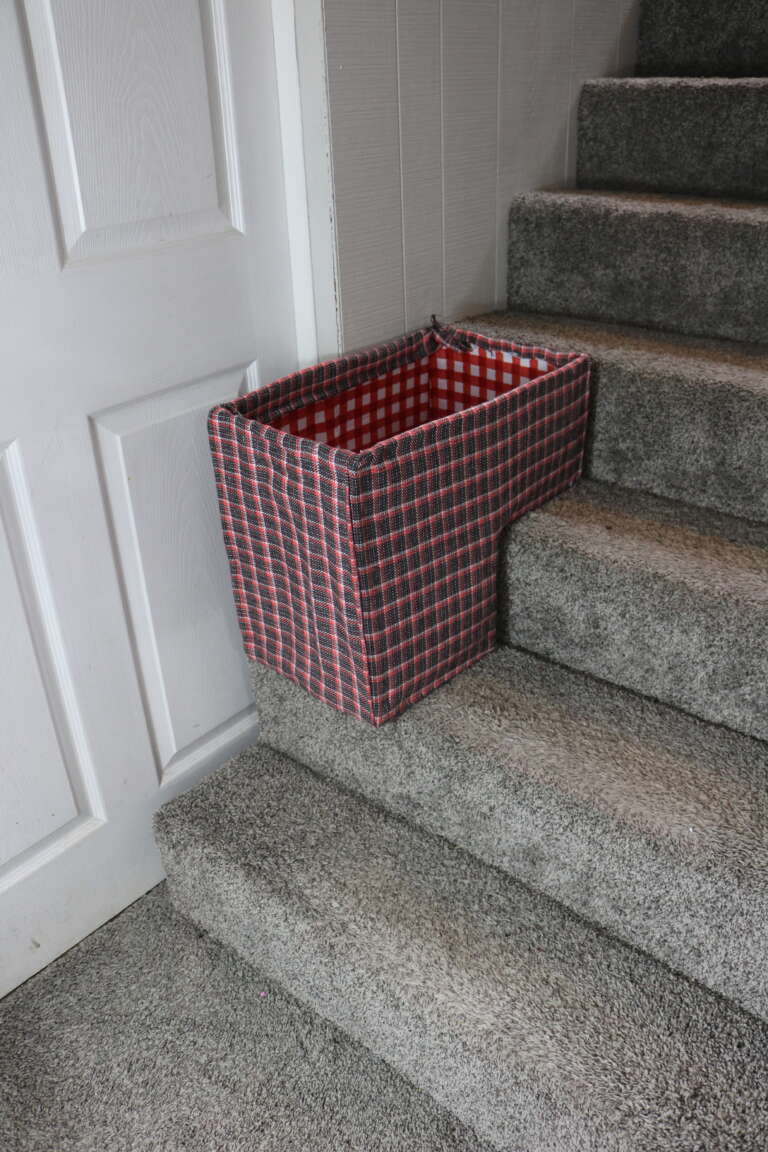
{"type": "Point", "coordinates": [708, 137]}
{"type": "Point", "coordinates": [666, 600]}
{"type": "Point", "coordinates": [703, 38]}
{"type": "Point", "coordinates": [696, 266]}
{"type": "Point", "coordinates": [532, 1027]}
{"type": "Point", "coordinates": [149, 1037]}
{"type": "Point", "coordinates": [679, 416]}
{"type": "Point", "coordinates": [640, 818]}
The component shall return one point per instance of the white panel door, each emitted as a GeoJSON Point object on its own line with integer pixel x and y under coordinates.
{"type": "Point", "coordinates": [145, 264]}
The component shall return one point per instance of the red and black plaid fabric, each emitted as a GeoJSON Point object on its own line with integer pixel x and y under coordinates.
{"type": "Point", "coordinates": [362, 502]}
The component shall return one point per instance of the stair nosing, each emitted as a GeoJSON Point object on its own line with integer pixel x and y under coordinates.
{"type": "Point", "coordinates": [641, 82]}
{"type": "Point", "coordinates": [633, 203]}
{"type": "Point", "coordinates": [639, 507]}
{"type": "Point", "coordinates": [677, 350]}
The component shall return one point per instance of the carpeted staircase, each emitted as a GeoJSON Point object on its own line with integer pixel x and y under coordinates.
{"type": "Point", "coordinates": [542, 893]}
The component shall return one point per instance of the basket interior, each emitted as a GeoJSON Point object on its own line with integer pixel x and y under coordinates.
{"type": "Point", "coordinates": [447, 381]}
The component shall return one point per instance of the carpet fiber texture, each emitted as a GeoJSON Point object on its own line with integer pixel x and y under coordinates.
{"type": "Point", "coordinates": [706, 137]}
{"type": "Point", "coordinates": [149, 1037]}
{"type": "Point", "coordinates": [665, 600]}
{"type": "Point", "coordinates": [645, 820]}
{"type": "Point", "coordinates": [679, 416]}
{"type": "Point", "coordinates": [703, 38]}
{"type": "Point", "coordinates": [698, 267]}
{"type": "Point", "coordinates": [537, 1030]}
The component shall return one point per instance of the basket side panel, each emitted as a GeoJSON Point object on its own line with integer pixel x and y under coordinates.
{"type": "Point", "coordinates": [285, 519]}
{"type": "Point", "coordinates": [426, 523]}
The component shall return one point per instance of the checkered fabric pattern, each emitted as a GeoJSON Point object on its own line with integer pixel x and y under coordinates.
{"type": "Point", "coordinates": [362, 502]}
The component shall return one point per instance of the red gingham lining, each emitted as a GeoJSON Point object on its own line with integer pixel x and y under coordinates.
{"type": "Point", "coordinates": [449, 380]}
{"type": "Point", "coordinates": [369, 576]}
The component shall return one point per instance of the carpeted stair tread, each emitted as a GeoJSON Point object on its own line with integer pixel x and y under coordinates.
{"type": "Point", "coordinates": [666, 600]}
{"type": "Point", "coordinates": [678, 416]}
{"type": "Point", "coordinates": [703, 38]}
{"type": "Point", "coordinates": [696, 266]}
{"type": "Point", "coordinates": [150, 1037]}
{"type": "Point", "coordinates": [637, 816]}
{"type": "Point", "coordinates": [708, 137]}
{"type": "Point", "coordinates": [534, 1028]}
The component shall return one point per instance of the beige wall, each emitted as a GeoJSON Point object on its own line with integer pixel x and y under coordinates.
{"type": "Point", "coordinates": [440, 111]}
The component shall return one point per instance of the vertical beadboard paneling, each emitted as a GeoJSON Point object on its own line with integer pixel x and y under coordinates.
{"type": "Point", "coordinates": [362, 89]}
{"type": "Point", "coordinates": [597, 30]}
{"type": "Point", "coordinates": [441, 111]}
{"type": "Point", "coordinates": [470, 99]}
{"type": "Point", "coordinates": [421, 145]}
{"type": "Point", "coordinates": [629, 31]}
{"type": "Point", "coordinates": [536, 42]}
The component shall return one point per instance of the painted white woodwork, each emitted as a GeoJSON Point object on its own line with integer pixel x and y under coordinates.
{"type": "Point", "coordinates": [174, 571]}
{"type": "Point", "coordinates": [45, 759]}
{"type": "Point", "coordinates": [148, 260]}
{"type": "Point", "coordinates": [440, 112]}
{"type": "Point", "coordinates": [314, 125]}
{"type": "Point", "coordinates": [138, 112]}
{"type": "Point", "coordinates": [295, 169]}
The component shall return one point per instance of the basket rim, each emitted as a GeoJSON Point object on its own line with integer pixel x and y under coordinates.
{"type": "Point", "coordinates": [421, 342]}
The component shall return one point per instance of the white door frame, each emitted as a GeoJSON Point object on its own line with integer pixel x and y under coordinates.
{"type": "Point", "coordinates": [308, 165]}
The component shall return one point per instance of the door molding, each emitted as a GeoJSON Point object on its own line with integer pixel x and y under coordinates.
{"type": "Point", "coordinates": [299, 35]}
{"type": "Point", "coordinates": [18, 524]}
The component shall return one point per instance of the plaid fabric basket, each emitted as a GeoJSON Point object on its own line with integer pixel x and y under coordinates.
{"type": "Point", "coordinates": [362, 501]}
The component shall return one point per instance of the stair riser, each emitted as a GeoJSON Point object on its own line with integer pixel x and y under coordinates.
{"type": "Point", "coordinates": [699, 272]}
{"type": "Point", "coordinates": [520, 1019]}
{"type": "Point", "coordinates": [701, 649]}
{"type": "Point", "coordinates": [704, 444]}
{"type": "Point", "coordinates": [246, 915]}
{"type": "Point", "coordinates": [703, 38]}
{"type": "Point", "coordinates": [463, 765]}
{"type": "Point", "coordinates": [699, 137]}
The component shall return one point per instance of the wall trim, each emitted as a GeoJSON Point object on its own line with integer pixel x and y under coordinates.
{"type": "Point", "coordinates": [299, 36]}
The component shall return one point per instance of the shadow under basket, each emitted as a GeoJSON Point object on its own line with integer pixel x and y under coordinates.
{"type": "Point", "coordinates": [362, 501]}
